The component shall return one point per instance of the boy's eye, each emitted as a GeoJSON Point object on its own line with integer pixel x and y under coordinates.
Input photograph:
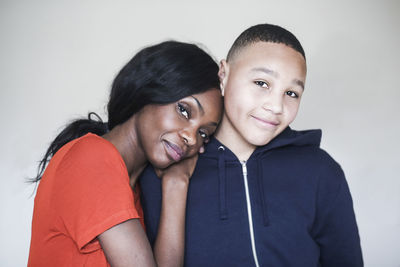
{"type": "Point", "coordinates": [262, 84]}
{"type": "Point", "coordinates": [292, 94]}
{"type": "Point", "coordinates": [183, 110]}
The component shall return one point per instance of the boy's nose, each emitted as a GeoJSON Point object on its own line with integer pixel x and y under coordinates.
{"type": "Point", "coordinates": [274, 103]}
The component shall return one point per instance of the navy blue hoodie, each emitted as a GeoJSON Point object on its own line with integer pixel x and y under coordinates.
{"type": "Point", "coordinates": [288, 205]}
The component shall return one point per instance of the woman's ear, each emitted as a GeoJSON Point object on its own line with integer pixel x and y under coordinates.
{"type": "Point", "coordinates": [202, 149]}
{"type": "Point", "coordinates": [223, 75]}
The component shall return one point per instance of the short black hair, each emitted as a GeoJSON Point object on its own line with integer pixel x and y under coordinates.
{"type": "Point", "coordinates": [265, 33]}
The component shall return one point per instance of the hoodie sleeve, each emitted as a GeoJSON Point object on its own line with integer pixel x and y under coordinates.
{"type": "Point", "coordinates": [335, 228]}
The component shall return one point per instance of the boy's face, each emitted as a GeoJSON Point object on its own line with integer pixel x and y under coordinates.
{"type": "Point", "coordinates": [262, 86]}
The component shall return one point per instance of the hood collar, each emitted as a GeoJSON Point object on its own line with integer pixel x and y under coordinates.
{"type": "Point", "coordinates": [286, 138]}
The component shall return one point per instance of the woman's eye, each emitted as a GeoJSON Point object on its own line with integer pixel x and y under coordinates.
{"type": "Point", "coordinates": [204, 135]}
{"type": "Point", "coordinates": [292, 94]}
{"type": "Point", "coordinates": [262, 84]}
{"type": "Point", "coordinates": [182, 109]}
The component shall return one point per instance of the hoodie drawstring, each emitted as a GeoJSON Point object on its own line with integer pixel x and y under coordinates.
{"type": "Point", "coordinates": [223, 211]}
{"type": "Point", "coordinates": [261, 191]}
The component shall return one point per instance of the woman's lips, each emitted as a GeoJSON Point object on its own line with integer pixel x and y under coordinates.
{"type": "Point", "coordinates": [174, 151]}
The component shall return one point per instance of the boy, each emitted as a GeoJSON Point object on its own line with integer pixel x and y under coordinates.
{"type": "Point", "coordinates": [263, 194]}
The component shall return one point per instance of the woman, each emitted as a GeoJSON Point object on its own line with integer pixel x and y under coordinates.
{"type": "Point", "coordinates": [164, 105]}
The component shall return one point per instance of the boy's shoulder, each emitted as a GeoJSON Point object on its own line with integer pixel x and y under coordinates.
{"type": "Point", "coordinates": [300, 152]}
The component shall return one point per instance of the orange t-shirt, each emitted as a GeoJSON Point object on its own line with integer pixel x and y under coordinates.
{"type": "Point", "coordinates": [84, 191]}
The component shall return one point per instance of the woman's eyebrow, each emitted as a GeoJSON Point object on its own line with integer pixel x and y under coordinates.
{"type": "Point", "coordinates": [213, 124]}
{"type": "Point", "coordinates": [199, 105]}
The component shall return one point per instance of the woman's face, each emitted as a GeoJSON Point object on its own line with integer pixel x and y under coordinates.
{"type": "Point", "coordinates": [172, 132]}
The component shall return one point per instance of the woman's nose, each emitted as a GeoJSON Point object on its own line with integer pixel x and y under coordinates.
{"type": "Point", "coordinates": [189, 136]}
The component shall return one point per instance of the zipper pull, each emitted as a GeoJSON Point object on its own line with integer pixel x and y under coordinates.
{"type": "Point", "coordinates": [244, 167]}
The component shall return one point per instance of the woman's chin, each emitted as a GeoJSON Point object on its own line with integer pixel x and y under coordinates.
{"type": "Point", "coordinates": [161, 164]}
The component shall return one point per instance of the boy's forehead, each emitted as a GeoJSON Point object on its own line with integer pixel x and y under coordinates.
{"type": "Point", "coordinates": [274, 59]}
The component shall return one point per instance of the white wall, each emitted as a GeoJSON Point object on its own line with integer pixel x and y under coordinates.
{"type": "Point", "coordinates": [57, 61]}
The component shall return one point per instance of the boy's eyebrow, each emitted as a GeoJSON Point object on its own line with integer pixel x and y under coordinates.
{"type": "Point", "coordinates": [299, 83]}
{"type": "Point", "coordinates": [199, 105]}
{"type": "Point", "coordinates": [275, 74]}
{"type": "Point", "coordinates": [265, 70]}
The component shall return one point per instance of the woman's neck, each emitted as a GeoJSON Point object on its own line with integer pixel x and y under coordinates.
{"type": "Point", "coordinates": [124, 138]}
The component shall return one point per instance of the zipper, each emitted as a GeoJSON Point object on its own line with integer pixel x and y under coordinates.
{"type": "Point", "coordinates": [249, 215]}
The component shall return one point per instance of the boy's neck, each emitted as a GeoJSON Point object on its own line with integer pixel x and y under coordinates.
{"type": "Point", "coordinates": [231, 138]}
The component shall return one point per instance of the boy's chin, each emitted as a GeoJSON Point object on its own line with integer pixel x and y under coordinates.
{"type": "Point", "coordinates": [260, 140]}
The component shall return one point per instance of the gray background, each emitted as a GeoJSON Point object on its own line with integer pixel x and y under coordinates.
{"type": "Point", "coordinates": [58, 58]}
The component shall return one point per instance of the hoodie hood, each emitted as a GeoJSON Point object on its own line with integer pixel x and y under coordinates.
{"type": "Point", "coordinates": [220, 152]}
{"type": "Point", "coordinates": [288, 137]}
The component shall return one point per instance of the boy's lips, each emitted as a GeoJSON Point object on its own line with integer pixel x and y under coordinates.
{"type": "Point", "coordinates": [173, 150]}
{"type": "Point", "coordinates": [266, 122]}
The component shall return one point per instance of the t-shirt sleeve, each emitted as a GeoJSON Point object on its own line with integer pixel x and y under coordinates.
{"type": "Point", "coordinates": [93, 192]}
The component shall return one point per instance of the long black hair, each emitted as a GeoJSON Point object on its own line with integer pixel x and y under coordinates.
{"type": "Point", "coordinates": [158, 74]}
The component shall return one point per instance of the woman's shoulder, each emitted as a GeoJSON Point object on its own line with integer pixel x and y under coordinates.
{"type": "Point", "coordinates": [92, 144]}
{"type": "Point", "coordinates": [92, 149]}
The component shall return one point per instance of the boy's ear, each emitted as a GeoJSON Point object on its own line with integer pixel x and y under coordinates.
{"type": "Point", "coordinates": [223, 75]}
